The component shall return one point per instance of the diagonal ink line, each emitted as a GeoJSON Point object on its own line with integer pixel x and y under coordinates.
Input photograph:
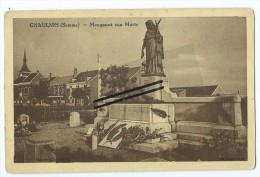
{"type": "Point", "coordinates": [127, 91]}
{"type": "Point", "coordinates": [129, 97]}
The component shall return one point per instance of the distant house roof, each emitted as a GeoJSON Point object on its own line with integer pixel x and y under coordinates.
{"type": "Point", "coordinates": [178, 91]}
{"type": "Point", "coordinates": [132, 71]}
{"type": "Point", "coordinates": [19, 80]}
{"type": "Point", "coordinates": [81, 77]}
{"type": "Point", "coordinates": [29, 78]}
{"type": "Point", "coordinates": [52, 78]}
{"type": "Point", "coordinates": [197, 90]}
{"type": "Point", "coordinates": [60, 80]}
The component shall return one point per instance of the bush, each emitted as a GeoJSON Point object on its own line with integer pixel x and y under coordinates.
{"type": "Point", "coordinates": [21, 130]}
{"type": "Point", "coordinates": [224, 142]}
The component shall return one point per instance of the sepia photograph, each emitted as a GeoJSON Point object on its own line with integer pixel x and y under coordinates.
{"type": "Point", "coordinates": [154, 88]}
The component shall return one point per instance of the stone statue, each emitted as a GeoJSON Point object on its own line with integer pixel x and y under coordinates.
{"type": "Point", "coordinates": [153, 43]}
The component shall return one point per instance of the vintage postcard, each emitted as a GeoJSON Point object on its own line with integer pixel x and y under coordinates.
{"type": "Point", "coordinates": [129, 90]}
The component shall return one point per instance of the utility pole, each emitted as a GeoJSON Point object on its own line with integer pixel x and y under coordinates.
{"type": "Point", "coordinates": [99, 79]}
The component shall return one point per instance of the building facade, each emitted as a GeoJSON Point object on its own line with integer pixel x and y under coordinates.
{"type": "Point", "coordinates": [83, 88]}
{"type": "Point", "coordinates": [57, 90]}
{"type": "Point", "coordinates": [24, 84]}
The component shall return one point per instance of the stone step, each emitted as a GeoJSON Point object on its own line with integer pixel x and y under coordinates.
{"type": "Point", "coordinates": [156, 147]}
{"type": "Point", "coordinates": [204, 128]}
{"type": "Point", "coordinates": [170, 136]}
{"type": "Point", "coordinates": [194, 137]}
{"type": "Point", "coordinates": [188, 144]}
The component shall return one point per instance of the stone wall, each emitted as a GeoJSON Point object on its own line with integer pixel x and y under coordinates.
{"type": "Point", "coordinates": [202, 112]}
{"type": "Point", "coordinates": [148, 113]}
{"type": "Point", "coordinates": [224, 110]}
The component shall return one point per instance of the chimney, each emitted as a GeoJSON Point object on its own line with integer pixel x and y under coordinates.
{"type": "Point", "coordinates": [50, 76]}
{"type": "Point", "coordinates": [75, 72]}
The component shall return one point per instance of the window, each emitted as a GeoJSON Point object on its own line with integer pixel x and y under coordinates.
{"type": "Point", "coordinates": [58, 90]}
{"type": "Point", "coordinates": [61, 90]}
{"type": "Point", "coordinates": [54, 90]}
{"type": "Point", "coordinates": [29, 90]}
{"type": "Point", "coordinates": [25, 90]}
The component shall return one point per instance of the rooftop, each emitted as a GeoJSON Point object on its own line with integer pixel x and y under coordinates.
{"type": "Point", "coordinates": [196, 90]}
{"type": "Point", "coordinates": [60, 80]}
{"type": "Point", "coordinates": [132, 71]}
{"type": "Point", "coordinates": [81, 77]}
{"type": "Point", "coordinates": [29, 78]}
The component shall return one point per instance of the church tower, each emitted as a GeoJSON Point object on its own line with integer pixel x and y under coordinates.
{"type": "Point", "coordinates": [24, 71]}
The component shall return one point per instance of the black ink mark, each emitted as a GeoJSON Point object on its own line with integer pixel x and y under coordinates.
{"type": "Point", "coordinates": [129, 97]}
{"type": "Point", "coordinates": [127, 91]}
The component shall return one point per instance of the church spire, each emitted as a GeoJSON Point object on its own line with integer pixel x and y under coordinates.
{"type": "Point", "coordinates": [24, 57]}
{"type": "Point", "coordinates": [24, 67]}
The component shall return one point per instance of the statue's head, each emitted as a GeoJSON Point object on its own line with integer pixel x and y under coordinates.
{"type": "Point", "coordinates": [150, 25]}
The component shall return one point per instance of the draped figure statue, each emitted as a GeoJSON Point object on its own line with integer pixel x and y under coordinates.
{"type": "Point", "coordinates": [153, 43]}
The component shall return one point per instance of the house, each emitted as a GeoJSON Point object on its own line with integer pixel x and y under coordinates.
{"type": "Point", "coordinates": [83, 88]}
{"type": "Point", "coordinates": [57, 89]}
{"type": "Point", "coordinates": [24, 84]}
{"type": "Point", "coordinates": [198, 91]}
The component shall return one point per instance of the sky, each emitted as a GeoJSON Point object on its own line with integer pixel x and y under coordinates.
{"type": "Point", "coordinates": [198, 51]}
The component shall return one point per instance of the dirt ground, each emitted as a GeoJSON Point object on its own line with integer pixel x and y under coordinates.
{"type": "Point", "coordinates": [70, 146]}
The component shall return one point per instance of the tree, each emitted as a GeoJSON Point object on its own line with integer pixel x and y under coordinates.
{"type": "Point", "coordinates": [41, 90]}
{"type": "Point", "coordinates": [114, 79]}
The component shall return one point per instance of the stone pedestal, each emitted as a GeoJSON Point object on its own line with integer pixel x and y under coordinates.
{"type": "Point", "coordinates": [164, 94]}
{"type": "Point", "coordinates": [241, 132]}
{"type": "Point", "coordinates": [103, 113]}
{"type": "Point", "coordinates": [153, 116]}
{"type": "Point", "coordinates": [232, 106]}
{"type": "Point", "coordinates": [74, 119]}
{"type": "Point", "coordinates": [40, 150]}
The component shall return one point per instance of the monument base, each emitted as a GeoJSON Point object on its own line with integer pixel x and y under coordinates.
{"type": "Point", "coordinates": [164, 94]}
{"type": "Point", "coordinates": [149, 117]}
{"type": "Point", "coordinates": [156, 147]}
{"type": "Point", "coordinates": [39, 150]}
{"type": "Point", "coordinates": [241, 132]}
{"type": "Point", "coordinates": [152, 116]}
